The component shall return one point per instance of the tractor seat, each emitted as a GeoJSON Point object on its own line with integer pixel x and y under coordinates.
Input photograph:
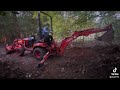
{"type": "Point", "coordinates": [39, 41]}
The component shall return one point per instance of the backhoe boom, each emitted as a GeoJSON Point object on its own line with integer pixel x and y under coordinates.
{"type": "Point", "coordinates": [76, 34]}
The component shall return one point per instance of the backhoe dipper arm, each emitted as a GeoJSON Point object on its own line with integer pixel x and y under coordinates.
{"type": "Point", "coordinates": [76, 34]}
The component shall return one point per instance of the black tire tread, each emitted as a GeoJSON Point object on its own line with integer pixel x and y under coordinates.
{"type": "Point", "coordinates": [21, 53]}
{"type": "Point", "coordinates": [42, 51]}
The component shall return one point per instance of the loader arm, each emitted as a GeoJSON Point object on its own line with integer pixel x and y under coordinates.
{"type": "Point", "coordinates": [76, 34]}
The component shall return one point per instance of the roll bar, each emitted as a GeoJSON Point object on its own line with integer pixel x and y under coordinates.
{"type": "Point", "coordinates": [39, 22]}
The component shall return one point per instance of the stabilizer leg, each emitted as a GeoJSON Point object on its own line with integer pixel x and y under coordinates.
{"type": "Point", "coordinates": [44, 59]}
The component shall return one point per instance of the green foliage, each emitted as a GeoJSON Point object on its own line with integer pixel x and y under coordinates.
{"type": "Point", "coordinates": [27, 23]}
{"type": "Point", "coordinates": [2, 13]}
{"type": "Point", "coordinates": [64, 22]}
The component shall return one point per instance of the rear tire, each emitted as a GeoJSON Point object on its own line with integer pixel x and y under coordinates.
{"type": "Point", "coordinates": [39, 53]}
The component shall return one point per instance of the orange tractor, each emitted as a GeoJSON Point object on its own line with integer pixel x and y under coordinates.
{"type": "Point", "coordinates": [41, 50]}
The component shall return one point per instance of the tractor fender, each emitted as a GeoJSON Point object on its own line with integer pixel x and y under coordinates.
{"type": "Point", "coordinates": [43, 45]}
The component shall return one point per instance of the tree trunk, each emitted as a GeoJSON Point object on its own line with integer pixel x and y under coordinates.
{"type": "Point", "coordinates": [15, 33]}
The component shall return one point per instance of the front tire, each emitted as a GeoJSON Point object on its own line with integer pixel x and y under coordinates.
{"type": "Point", "coordinates": [21, 51]}
{"type": "Point", "coordinates": [39, 53]}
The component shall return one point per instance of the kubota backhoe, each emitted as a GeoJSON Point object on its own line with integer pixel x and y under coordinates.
{"type": "Point", "coordinates": [41, 50]}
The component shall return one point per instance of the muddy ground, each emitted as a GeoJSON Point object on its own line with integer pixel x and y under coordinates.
{"type": "Point", "coordinates": [76, 63]}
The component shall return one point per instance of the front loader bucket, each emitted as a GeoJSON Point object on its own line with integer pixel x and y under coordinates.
{"type": "Point", "coordinates": [108, 36]}
{"type": "Point", "coordinates": [8, 49]}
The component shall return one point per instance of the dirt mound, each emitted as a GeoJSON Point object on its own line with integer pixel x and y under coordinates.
{"type": "Point", "coordinates": [76, 63]}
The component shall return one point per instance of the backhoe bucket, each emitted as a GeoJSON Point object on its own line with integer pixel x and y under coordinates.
{"type": "Point", "coordinates": [108, 36]}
